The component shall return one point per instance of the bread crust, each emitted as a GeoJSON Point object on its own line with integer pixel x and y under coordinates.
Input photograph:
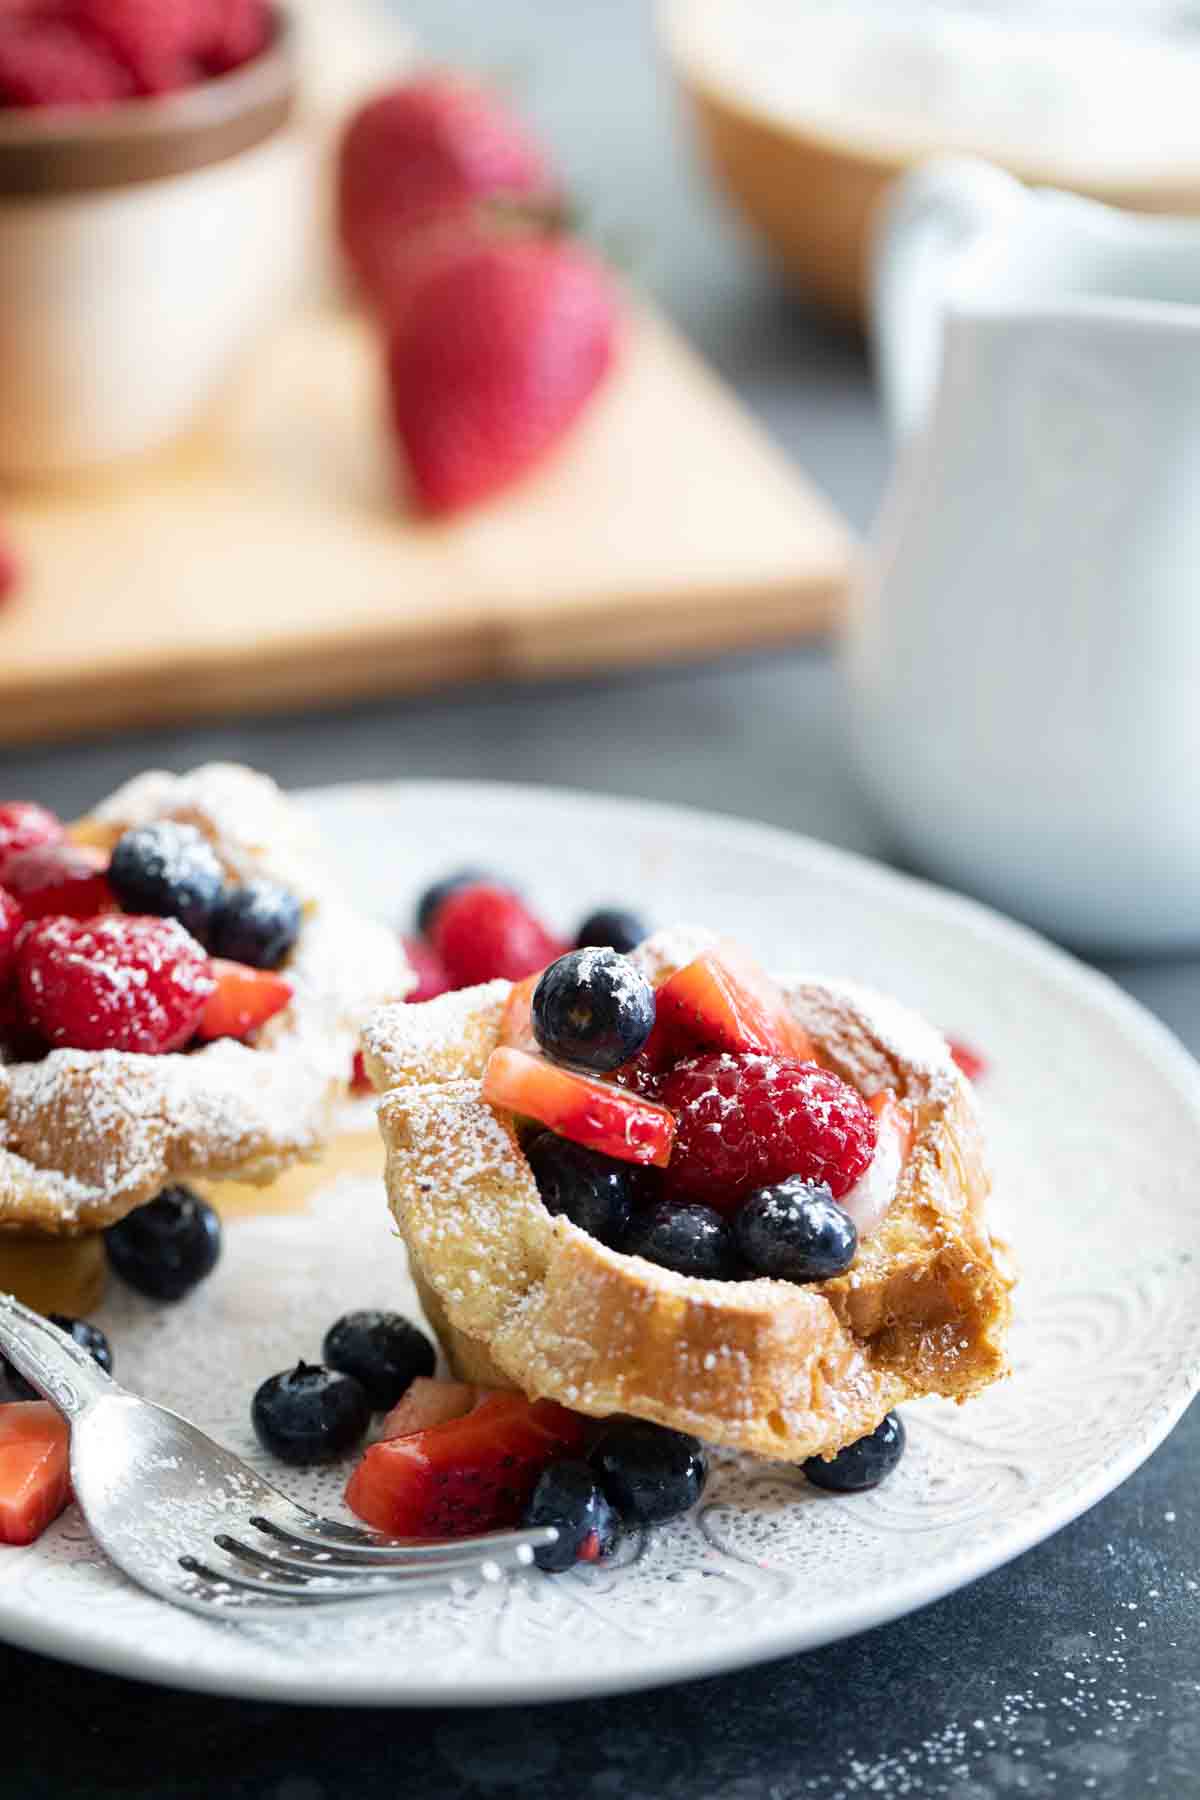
{"type": "Point", "coordinates": [85, 1136]}
{"type": "Point", "coordinates": [523, 1299]}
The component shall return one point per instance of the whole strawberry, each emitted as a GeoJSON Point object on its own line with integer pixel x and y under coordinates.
{"type": "Point", "coordinates": [434, 154]}
{"type": "Point", "coordinates": [493, 361]}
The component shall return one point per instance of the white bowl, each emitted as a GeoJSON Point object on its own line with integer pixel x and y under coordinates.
{"type": "Point", "coordinates": [143, 247]}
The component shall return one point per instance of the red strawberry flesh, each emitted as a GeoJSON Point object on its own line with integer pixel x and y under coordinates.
{"type": "Point", "coordinates": [724, 1001]}
{"type": "Point", "coordinates": [22, 825]}
{"type": "Point", "coordinates": [242, 1000]}
{"type": "Point", "coordinates": [35, 1476]}
{"type": "Point", "coordinates": [470, 1474]}
{"type": "Point", "coordinates": [611, 1119]}
{"type": "Point", "coordinates": [60, 878]}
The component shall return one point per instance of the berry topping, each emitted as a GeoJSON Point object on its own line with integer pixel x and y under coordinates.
{"type": "Point", "coordinates": [431, 899]}
{"type": "Point", "coordinates": [862, 1465]}
{"type": "Point", "coordinates": [35, 1475]}
{"type": "Point", "coordinates": [382, 1350]}
{"type": "Point", "coordinates": [595, 1192]}
{"type": "Point", "coordinates": [242, 999]}
{"type": "Point", "coordinates": [613, 928]}
{"type": "Point", "coordinates": [471, 1474]}
{"type": "Point", "coordinates": [427, 966]}
{"type": "Point", "coordinates": [60, 878]}
{"type": "Point", "coordinates": [88, 1336]}
{"type": "Point", "coordinates": [723, 1001]}
{"type": "Point", "coordinates": [692, 1240]}
{"type": "Point", "coordinates": [429, 1403]}
{"type": "Point", "coordinates": [310, 1415]}
{"type": "Point", "coordinates": [568, 1497]}
{"type": "Point", "coordinates": [482, 932]}
{"type": "Point", "coordinates": [170, 870]}
{"type": "Point", "coordinates": [749, 1121]}
{"type": "Point", "coordinates": [594, 1113]}
{"type": "Point", "coordinates": [648, 1472]}
{"type": "Point", "coordinates": [24, 824]}
{"type": "Point", "coordinates": [360, 1081]}
{"type": "Point", "coordinates": [69, 879]}
{"type": "Point", "coordinates": [12, 917]}
{"type": "Point", "coordinates": [496, 354]}
{"type": "Point", "coordinates": [795, 1231]}
{"type": "Point", "coordinates": [256, 924]}
{"type": "Point", "coordinates": [593, 1007]}
{"type": "Point", "coordinates": [972, 1064]}
{"type": "Point", "coordinates": [165, 1248]}
{"type": "Point", "coordinates": [10, 568]}
{"type": "Point", "coordinates": [116, 983]}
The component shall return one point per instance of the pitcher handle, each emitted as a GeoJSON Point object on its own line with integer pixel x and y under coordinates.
{"type": "Point", "coordinates": [927, 221]}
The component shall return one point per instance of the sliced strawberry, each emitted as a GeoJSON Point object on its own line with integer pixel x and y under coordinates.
{"type": "Point", "coordinates": [516, 1021]}
{"type": "Point", "coordinates": [972, 1064]}
{"type": "Point", "coordinates": [470, 1474]}
{"type": "Point", "coordinates": [724, 1001]}
{"type": "Point", "coordinates": [432, 975]}
{"type": "Point", "coordinates": [60, 878]}
{"type": "Point", "coordinates": [428, 1403]}
{"type": "Point", "coordinates": [35, 1475]}
{"type": "Point", "coordinates": [243, 999]}
{"type": "Point", "coordinates": [611, 1119]}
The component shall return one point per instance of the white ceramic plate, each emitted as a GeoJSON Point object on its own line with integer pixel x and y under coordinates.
{"type": "Point", "coordinates": [1094, 1114]}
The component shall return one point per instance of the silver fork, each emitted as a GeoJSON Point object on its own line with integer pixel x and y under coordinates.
{"type": "Point", "coordinates": [194, 1524]}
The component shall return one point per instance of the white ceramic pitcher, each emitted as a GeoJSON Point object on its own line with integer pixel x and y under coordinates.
{"type": "Point", "coordinates": [1024, 650]}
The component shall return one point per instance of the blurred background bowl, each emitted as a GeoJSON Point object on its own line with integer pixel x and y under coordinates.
{"type": "Point", "coordinates": [807, 109]}
{"type": "Point", "coordinates": [144, 247]}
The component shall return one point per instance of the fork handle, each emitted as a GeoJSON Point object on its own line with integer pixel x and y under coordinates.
{"type": "Point", "coordinates": [59, 1368]}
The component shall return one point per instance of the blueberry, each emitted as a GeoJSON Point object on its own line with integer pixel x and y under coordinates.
{"type": "Point", "coordinates": [795, 1231]}
{"type": "Point", "coordinates": [86, 1335]}
{"type": "Point", "coordinates": [382, 1350]}
{"type": "Point", "coordinates": [613, 928]}
{"type": "Point", "coordinates": [595, 1192]}
{"type": "Point", "coordinates": [862, 1465]}
{"type": "Point", "coordinates": [257, 923]}
{"type": "Point", "coordinates": [648, 1472]}
{"type": "Point", "coordinates": [166, 1247]}
{"type": "Point", "coordinates": [692, 1240]}
{"type": "Point", "coordinates": [593, 1007]}
{"type": "Point", "coordinates": [310, 1414]}
{"type": "Point", "coordinates": [433, 896]}
{"type": "Point", "coordinates": [568, 1496]}
{"type": "Point", "coordinates": [170, 870]}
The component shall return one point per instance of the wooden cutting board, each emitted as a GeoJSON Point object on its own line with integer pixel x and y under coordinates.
{"type": "Point", "coordinates": [268, 563]}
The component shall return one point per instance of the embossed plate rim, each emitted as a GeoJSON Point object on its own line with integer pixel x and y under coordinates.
{"type": "Point", "coordinates": [312, 1681]}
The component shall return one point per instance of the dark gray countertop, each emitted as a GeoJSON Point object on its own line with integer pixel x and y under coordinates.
{"type": "Point", "coordinates": [1073, 1672]}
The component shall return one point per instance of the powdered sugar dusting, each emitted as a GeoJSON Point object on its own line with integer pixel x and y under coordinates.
{"type": "Point", "coordinates": [87, 1135]}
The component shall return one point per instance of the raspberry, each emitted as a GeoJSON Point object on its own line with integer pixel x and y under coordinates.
{"type": "Point", "coordinates": [116, 983]}
{"type": "Point", "coordinates": [52, 62]}
{"type": "Point", "coordinates": [24, 824]}
{"type": "Point", "coordinates": [11, 920]}
{"type": "Point", "coordinates": [746, 1121]}
{"type": "Point", "coordinates": [482, 932]}
{"type": "Point", "coordinates": [234, 31]}
{"type": "Point", "coordinates": [10, 562]}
